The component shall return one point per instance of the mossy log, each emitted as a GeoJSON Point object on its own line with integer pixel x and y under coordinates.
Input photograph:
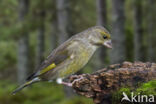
{"type": "Point", "coordinates": [101, 84]}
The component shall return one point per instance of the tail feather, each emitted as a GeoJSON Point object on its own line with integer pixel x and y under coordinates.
{"type": "Point", "coordinates": [25, 85]}
{"type": "Point", "coordinates": [33, 75]}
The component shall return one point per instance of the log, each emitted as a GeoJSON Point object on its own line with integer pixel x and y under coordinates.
{"type": "Point", "coordinates": [101, 84]}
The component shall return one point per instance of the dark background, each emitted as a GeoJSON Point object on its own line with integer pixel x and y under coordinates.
{"type": "Point", "coordinates": [31, 29]}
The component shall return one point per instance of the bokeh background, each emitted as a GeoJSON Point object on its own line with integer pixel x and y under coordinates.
{"type": "Point", "coordinates": [31, 29]}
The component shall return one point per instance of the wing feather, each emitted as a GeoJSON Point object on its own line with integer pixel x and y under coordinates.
{"type": "Point", "coordinates": [56, 57]}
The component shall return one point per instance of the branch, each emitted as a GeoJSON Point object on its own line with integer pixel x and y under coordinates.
{"type": "Point", "coordinates": [100, 85]}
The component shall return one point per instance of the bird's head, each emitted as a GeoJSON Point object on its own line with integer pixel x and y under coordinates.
{"type": "Point", "coordinates": [100, 36]}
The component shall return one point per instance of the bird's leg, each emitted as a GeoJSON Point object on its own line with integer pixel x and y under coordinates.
{"type": "Point", "coordinates": [59, 81]}
{"type": "Point", "coordinates": [67, 84]}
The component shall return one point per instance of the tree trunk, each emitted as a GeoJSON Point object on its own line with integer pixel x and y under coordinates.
{"type": "Point", "coordinates": [103, 83]}
{"type": "Point", "coordinates": [54, 33]}
{"type": "Point", "coordinates": [23, 44]}
{"type": "Point", "coordinates": [64, 28]}
{"type": "Point", "coordinates": [40, 39]}
{"type": "Point", "coordinates": [62, 19]}
{"type": "Point", "coordinates": [54, 29]}
{"type": "Point", "coordinates": [138, 35]}
{"type": "Point", "coordinates": [100, 58]}
{"type": "Point", "coordinates": [118, 36]}
{"type": "Point", "coordinates": [101, 6]}
{"type": "Point", "coordinates": [151, 27]}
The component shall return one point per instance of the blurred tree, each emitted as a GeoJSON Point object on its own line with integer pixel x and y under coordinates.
{"type": "Point", "coordinates": [151, 30]}
{"type": "Point", "coordinates": [64, 24]}
{"type": "Point", "coordinates": [118, 20]}
{"type": "Point", "coordinates": [138, 33]}
{"type": "Point", "coordinates": [101, 6]}
{"type": "Point", "coordinates": [23, 44]}
{"type": "Point", "coordinates": [40, 35]}
{"type": "Point", "coordinates": [101, 56]}
{"type": "Point", "coordinates": [54, 27]}
{"type": "Point", "coordinates": [63, 19]}
{"type": "Point", "coordinates": [129, 30]}
{"type": "Point", "coordinates": [54, 33]}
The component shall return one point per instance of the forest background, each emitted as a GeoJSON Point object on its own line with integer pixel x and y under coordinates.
{"type": "Point", "coordinates": [31, 29]}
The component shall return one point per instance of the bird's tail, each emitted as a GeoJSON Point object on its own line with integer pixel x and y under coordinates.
{"type": "Point", "coordinates": [26, 84]}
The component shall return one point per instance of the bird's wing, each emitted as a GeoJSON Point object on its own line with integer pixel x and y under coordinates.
{"type": "Point", "coordinates": [52, 61]}
{"type": "Point", "coordinates": [56, 57]}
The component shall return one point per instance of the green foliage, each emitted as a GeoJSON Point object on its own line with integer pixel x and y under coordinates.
{"type": "Point", "coordinates": [129, 42]}
{"type": "Point", "coordinates": [77, 100]}
{"type": "Point", "coordinates": [148, 88]}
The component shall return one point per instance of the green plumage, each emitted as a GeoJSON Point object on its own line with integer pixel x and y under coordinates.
{"type": "Point", "coordinates": [72, 55]}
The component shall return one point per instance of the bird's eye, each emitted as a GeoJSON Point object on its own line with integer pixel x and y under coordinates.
{"type": "Point", "coordinates": [105, 37]}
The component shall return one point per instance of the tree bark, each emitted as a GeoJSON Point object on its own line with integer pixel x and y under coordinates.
{"type": "Point", "coordinates": [139, 53]}
{"type": "Point", "coordinates": [23, 44]}
{"type": "Point", "coordinates": [101, 84]}
{"type": "Point", "coordinates": [118, 36]}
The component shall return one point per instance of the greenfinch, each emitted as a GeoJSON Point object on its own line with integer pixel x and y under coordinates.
{"type": "Point", "coordinates": [70, 56]}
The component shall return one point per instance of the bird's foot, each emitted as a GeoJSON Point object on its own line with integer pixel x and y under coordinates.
{"type": "Point", "coordinates": [59, 81]}
{"type": "Point", "coordinates": [76, 80]}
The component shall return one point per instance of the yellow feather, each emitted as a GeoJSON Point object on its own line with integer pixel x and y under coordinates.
{"type": "Point", "coordinates": [51, 66]}
{"type": "Point", "coordinates": [103, 32]}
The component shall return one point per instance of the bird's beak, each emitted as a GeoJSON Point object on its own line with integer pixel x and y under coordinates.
{"type": "Point", "coordinates": [108, 44]}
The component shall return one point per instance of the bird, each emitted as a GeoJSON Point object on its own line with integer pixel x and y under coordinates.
{"type": "Point", "coordinates": [69, 57]}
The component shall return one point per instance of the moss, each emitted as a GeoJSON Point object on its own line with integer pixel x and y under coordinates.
{"type": "Point", "coordinates": [147, 88]}
{"type": "Point", "coordinates": [116, 97]}
{"type": "Point", "coordinates": [144, 89]}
